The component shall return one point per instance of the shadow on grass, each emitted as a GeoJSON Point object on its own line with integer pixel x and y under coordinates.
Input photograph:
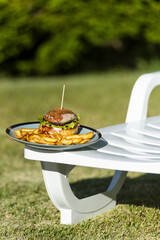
{"type": "Point", "coordinates": [143, 190]}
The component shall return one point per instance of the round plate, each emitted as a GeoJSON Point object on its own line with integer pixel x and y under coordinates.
{"type": "Point", "coordinates": [82, 130]}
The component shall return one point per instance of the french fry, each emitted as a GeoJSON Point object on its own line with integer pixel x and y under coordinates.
{"type": "Point", "coordinates": [59, 143]}
{"type": "Point", "coordinates": [28, 138]}
{"type": "Point", "coordinates": [28, 129]}
{"type": "Point", "coordinates": [76, 140]}
{"type": "Point", "coordinates": [32, 140]}
{"type": "Point", "coordinates": [35, 135]}
{"type": "Point", "coordinates": [85, 140]}
{"type": "Point", "coordinates": [23, 133]}
{"type": "Point", "coordinates": [50, 143]}
{"type": "Point", "coordinates": [66, 141]}
{"type": "Point", "coordinates": [48, 139]}
{"type": "Point", "coordinates": [56, 135]}
{"type": "Point", "coordinates": [24, 138]}
{"type": "Point", "coordinates": [18, 133]}
{"type": "Point", "coordinates": [87, 135]}
{"type": "Point", "coordinates": [36, 131]}
{"type": "Point", "coordinates": [73, 136]}
{"type": "Point", "coordinates": [37, 138]}
{"type": "Point", "coordinates": [83, 136]}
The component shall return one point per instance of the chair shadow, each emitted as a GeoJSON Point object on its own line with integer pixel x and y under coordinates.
{"type": "Point", "coordinates": [143, 190]}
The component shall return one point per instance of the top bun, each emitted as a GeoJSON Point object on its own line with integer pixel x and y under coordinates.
{"type": "Point", "coordinates": [60, 116]}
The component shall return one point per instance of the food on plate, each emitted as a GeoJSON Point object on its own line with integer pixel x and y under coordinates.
{"type": "Point", "coordinates": [60, 120]}
{"type": "Point", "coordinates": [57, 127]}
{"type": "Point", "coordinates": [37, 136]}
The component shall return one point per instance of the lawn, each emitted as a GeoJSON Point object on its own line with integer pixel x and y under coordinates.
{"type": "Point", "coordinates": [26, 211]}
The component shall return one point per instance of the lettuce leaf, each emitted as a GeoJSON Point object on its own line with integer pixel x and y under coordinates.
{"type": "Point", "coordinates": [66, 126]}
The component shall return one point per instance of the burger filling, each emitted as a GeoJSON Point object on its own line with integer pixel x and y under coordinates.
{"type": "Point", "coordinates": [66, 126]}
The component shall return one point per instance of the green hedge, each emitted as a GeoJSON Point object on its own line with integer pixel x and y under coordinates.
{"type": "Point", "coordinates": [47, 36]}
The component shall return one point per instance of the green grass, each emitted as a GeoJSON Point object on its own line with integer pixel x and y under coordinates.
{"type": "Point", "coordinates": [26, 211]}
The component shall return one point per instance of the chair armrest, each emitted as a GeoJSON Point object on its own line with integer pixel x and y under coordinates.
{"type": "Point", "coordinates": [137, 109]}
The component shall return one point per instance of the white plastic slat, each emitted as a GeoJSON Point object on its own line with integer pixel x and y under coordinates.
{"type": "Point", "coordinates": [153, 122]}
{"type": "Point", "coordinates": [136, 137]}
{"type": "Point", "coordinates": [122, 152]}
{"type": "Point", "coordinates": [136, 147]}
{"type": "Point", "coordinates": [93, 158]}
{"type": "Point", "coordinates": [109, 161]}
{"type": "Point", "coordinates": [110, 129]}
{"type": "Point", "coordinates": [146, 130]}
{"type": "Point", "coordinates": [118, 151]}
{"type": "Point", "coordinates": [154, 125]}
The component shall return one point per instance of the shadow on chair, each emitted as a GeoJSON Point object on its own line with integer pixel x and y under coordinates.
{"type": "Point", "coordinates": [142, 190]}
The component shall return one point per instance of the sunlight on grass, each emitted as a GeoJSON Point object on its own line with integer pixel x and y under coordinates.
{"type": "Point", "coordinates": [26, 210]}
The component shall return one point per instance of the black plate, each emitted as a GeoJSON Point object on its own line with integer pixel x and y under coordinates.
{"type": "Point", "coordinates": [82, 130]}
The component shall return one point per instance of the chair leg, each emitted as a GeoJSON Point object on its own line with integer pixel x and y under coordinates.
{"type": "Point", "coordinates": [71, 208]}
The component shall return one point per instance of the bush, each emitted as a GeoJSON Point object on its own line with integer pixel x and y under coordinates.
{"type": "Point", "coordinates": [47, 37]}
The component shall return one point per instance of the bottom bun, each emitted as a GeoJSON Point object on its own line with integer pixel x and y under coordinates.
{"type": "Point", "coordinates": [61, 131]}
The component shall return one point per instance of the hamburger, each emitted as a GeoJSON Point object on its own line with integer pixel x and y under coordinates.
{"type": "Point", "coordinates": [60, 120]}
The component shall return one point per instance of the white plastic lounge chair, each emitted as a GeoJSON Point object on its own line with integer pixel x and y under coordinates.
{"type": "Point", "coordinates": [132, 146]}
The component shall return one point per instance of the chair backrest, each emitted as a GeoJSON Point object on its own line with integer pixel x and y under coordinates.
{"type": "Point", "coordinates": [137, 109]}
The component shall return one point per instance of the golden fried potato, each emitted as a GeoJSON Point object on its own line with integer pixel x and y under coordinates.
{"type": "Point", "coordinates": [35, 135]}
{"type": "Point", "coordinates": [87, 135]}
{"type": "Point", "coordinates": [84, 141]}
{"type": "Point", "coordinates": [49, 143]}
{"type": "Point", "coordinates": [57, 135]}
{"type": "Point", "coordinates": [23, 133]}
{"type": "Point", "coordinates": [49, 139]}
{"type": "Point", "coordinates": [28, 129]}
{"type": "Point", "coordinates": [37, 138]}
{"type": "Point", "coordinates": [76, 140]}
{"type": "Point", "coordinates": [83, 136]}
{"type": "Point", "coordinates": [66, 141]}
{"type": "Point", "coordinates": [24, 138]}
{"type": "Point", "coordinates": [36, 131]}
{"type": "Point", "coordinates": [18, 133]}
{"type": "Point", "coordinates": [28, 137]}
{"type": "Point", "coordinates": [73, 136]}
{"type": "Point", "coordinates": [58, 143]}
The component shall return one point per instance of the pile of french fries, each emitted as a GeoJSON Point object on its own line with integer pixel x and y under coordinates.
{"type": "Point", "coordinates": [36, 136]}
